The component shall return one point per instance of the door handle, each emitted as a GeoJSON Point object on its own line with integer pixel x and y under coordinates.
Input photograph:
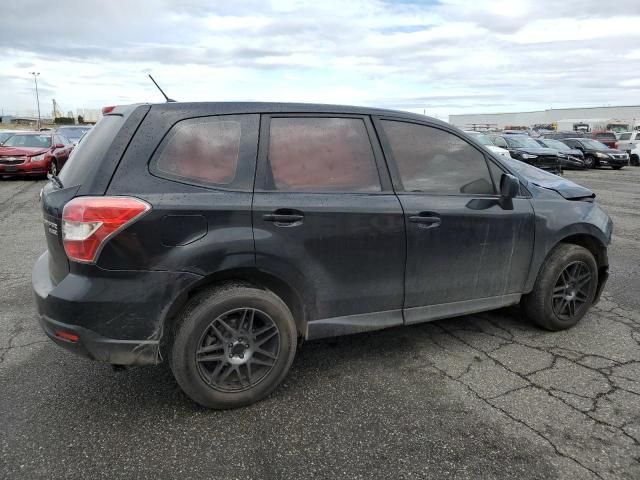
{"type": "Point", "coordinates": [426, 220]}
{"type": "Point", "coordinates": [284, 219]}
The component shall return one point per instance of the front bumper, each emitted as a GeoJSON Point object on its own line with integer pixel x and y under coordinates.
{"type": "Point", "coordinates": [613, 162]}
{"type": "Point", "coordinates": [117, 316]}
{"type": "Point", "coordinates": [26, 168]}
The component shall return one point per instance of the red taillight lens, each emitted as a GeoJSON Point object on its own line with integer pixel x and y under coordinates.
{"type": "Point", "coordinates": [89, 222]}
{"type": "Point", "coordinates": [68, 336]}
{"type": "Point", "coordinates": [106, 110]}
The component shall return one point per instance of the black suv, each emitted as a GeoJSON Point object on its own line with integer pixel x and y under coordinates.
{"type": "Point", "coordinates": [218, 235]}
{"type": "Point", "coordinates": [597, 154]}
{"type": "Point", "coordinates": [526, 149]}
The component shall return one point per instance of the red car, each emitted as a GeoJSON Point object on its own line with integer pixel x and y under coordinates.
{"type": "Point", "coordinates": [36, 153]}
{"type": "Point", "coordinates": [608, 138]}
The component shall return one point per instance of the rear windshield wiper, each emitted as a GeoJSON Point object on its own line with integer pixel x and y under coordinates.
{"type": "Point", "coordinates": [55, 179]}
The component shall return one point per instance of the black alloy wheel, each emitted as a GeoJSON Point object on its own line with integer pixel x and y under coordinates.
{"type": "Point", "coordinates": [571, 291]}
{"type": "Point", "coordinates": [238, 349]}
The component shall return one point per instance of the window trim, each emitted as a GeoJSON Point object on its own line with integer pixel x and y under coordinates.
{"type": "Point", "coordinates": [263, 166]}
{"type": "Point", "coordinates": [244, 177]}
{"type": "Point", "coordinates": [395, 172]}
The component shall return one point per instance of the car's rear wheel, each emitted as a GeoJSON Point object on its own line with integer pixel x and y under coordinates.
{"type": "Point", "coordinates": [233, 347]}
{"type": "Point", "coordinates": [635, 160]}
{"type": "Point", "coordinates": [565, 288]}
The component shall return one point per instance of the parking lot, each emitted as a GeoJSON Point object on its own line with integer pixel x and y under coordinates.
{"type": "Point", "coordinates": [482, 396]}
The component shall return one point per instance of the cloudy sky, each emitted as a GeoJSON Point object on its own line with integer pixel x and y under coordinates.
{"type": "Point", "coordinates": [447, 56]}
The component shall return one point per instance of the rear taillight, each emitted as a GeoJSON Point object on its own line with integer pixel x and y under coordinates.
{"type": "Point", "coordinates": [89, 222]}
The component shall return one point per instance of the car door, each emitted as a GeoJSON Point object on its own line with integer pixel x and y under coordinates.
{"type": "Point", "coordinates": [465, 251]}
{"type": "Point", "coordinates": [327, 222]}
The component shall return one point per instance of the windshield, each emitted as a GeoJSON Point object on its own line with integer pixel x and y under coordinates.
{"type": "Point", "coordinates": [596, 145]}
{"type": "Point", "coordinates": [28, 141]}
{"type": "Point", "coordinates": [557, 144]}
{"type": "Point", "coordinates": [4, 136]}
{"type": "Point", "coordinates": [483, 139]}
{"type": "Point", "coordinates": [522, 142]}
{"type": "Point", "coordinates": [73, 133]}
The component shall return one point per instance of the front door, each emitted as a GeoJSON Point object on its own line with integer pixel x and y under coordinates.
{"type": "Point", "coordinates": [465, 252]}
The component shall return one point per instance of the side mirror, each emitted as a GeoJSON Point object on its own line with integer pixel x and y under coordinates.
{"type": "Point", "coordinates": [509, 188]}
{"type": "Point", "coordinates": [58, 145]}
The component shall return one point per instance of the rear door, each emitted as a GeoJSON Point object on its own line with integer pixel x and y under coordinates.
{"type": "Point", "coordinates": [326, 220]}
{"type": "Point", "coordinates": [465, 252]}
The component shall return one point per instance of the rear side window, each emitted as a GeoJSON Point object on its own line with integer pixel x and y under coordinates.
{"type": "Point", "coordinates": [625, 136]}
{"type": "Point", "coordinates": [435, 161]}
{"type": "Point", "coordinates": [321, 155]}
{"type": "Point", "coordinates": [202, 150]}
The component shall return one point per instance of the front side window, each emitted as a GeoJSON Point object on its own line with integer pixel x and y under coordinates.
{"type": "Point", "coordinates": [202, 150]}
{"type": "Point", "coordinates": [435, 161]}
{"type": "Point", "coordinates": [321, 155]}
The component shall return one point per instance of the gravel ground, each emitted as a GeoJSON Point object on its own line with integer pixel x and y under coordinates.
{"type": "Point", "coordinates": [485, 396]}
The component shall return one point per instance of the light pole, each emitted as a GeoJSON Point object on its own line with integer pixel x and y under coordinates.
{"type": "Point", "coordinates": [35, 79]}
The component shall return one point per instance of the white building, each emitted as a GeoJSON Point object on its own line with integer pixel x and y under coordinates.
{"type": "Point", "coordinates": [595, 116]}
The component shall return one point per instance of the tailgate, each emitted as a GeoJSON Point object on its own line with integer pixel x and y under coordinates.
{"type": "Point", "coordinates": [53, 201]}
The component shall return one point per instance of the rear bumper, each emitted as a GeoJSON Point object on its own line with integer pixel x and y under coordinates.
{"type": "Point", "coordinates": [103, 349]}
{"type": "Point", "coordinates": [117, 316]}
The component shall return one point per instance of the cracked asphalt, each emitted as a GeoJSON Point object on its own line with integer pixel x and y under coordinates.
{"type": "Point", "coordinates": [482, 396]}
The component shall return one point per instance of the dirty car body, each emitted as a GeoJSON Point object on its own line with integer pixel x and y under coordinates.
{"type": "Point", "coordinates": [343, 260]}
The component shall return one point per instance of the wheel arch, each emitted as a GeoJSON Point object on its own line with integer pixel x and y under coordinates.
{"type": "Point", "coordinates": [588, 240]}
{"type": "Point", "coordinates": [248, 276]}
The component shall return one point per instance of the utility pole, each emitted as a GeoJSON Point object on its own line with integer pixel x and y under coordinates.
{"type": "Point", "coordinates": [35, 79]}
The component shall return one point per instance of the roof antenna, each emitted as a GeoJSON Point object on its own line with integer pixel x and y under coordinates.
{"type": "Point", "coordinates": [161, 91]}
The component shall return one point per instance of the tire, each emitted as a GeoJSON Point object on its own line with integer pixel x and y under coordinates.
{"type": "Point", "coordinates": [547, 304]}
{"type": "Point", "coordinates": [635, 160]}
{"type": "Point", "coordinates": [230, 369]}
{"type": "Point", "coordinates": [53, 167]}
{"type": "Point", "coordinates": [617, 167]}
{"type": "Point", "coordinates": [589, 162]}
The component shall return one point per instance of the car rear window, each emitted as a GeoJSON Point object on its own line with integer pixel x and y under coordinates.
{"type": "Point", "coordinates": [321, 155]}
{"type": "Point", "coordinates": [605, 136]}
{"type": "Point", "coordinates": [90, 151]}
{"type": "Point", "coordinates": [203, 150]}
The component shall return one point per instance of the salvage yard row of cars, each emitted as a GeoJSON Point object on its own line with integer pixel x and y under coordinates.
{"type": "Point", "coordinates": [37, 153]}
{"type": "Point", "coordinates": [559, 151]}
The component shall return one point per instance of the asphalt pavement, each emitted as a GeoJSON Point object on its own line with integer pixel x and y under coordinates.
{"type": "Point", "coordinates": [482, 396]}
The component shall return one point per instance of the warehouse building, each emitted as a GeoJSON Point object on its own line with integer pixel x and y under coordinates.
{"type": "Point", "coordinates": [565, 118]}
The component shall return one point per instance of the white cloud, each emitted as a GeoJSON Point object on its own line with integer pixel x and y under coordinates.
{"type": "Point", "coordinates": [446, 57]}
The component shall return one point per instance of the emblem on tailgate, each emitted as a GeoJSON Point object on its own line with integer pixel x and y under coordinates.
{"type": "Point", "coordinates": [52, 227]}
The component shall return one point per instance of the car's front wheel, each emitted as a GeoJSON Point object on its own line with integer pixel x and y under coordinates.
{"type": "Point", "coordinates": [233, 346]}
{"type": "Point", "coordinates": [589, 162]}
{"type": "Point", "coordinates": [565, 288]}
{"type": "Point", "coordinates": [53, 168]}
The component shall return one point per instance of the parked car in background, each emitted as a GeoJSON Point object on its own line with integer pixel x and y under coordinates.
{"type": "Point", "coordinates": [570, 158]}
{"type": "Point", "coordinates": [4, 135]}
{"type": "Point", "coordinates": [35, 153]}
{"type": "Point", "coordinates": [171, 244]}
{"type": "Point", "coordinates": [608, 138]}
{"type": "Point", "coordinates": [597, 154]}
{"type": "Point", "coordinates": [74, 133]}
{"type": "Point", "coordinates": [526, 149]}
{"type": "Point", "coordinates": [486, 141]}
{"type": "Point", "coordinates": [634, 156]}
{"type": "Point", "coordinates": [564, 134]}
{"type": "Point", "coordinates": [627, 141]}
